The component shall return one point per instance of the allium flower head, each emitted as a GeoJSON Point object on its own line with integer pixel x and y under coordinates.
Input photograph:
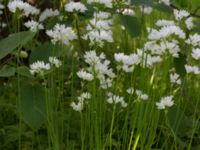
{"type": "Point", "coordinates": [62, 34]}
{"type": "Point", "coordinates": [107, 3]}
{"type": "Point", "coordinates": [25, 7]}
{"type": "Point", "coordinates": [33, 25]}
{"type": "Point", "coordinates": [54, 61]}
{"type": "Point", "coordinates": [75, 7]}
{"type": "Point", "coordinates": [85, 76]}
{"type": "Point", "coordinates": [39, 67]}
{"type": "Point", "coordinates": [48, 12]}
{"type": "Point", "coordinates": [165, 102]}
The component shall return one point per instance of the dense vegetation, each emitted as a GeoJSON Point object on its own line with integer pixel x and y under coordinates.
{"type": "Point", "coordinates": [100, 74]}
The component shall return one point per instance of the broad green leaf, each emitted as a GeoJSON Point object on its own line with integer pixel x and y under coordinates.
{"type": "Point", "coordinates": [13, 41]}
{"type": "Point", "coordinates": [132, 25]}
{"type": "Point", "coordinates": [43, 52]}
{"type": "Point", "coordinates": [7, 71]}
{"type": "Point", "coordinates": [24, 71]}
{"type": "Point", "coordinates": [33, 108]}
{"type": "Point", "coordinates": [162, 7]}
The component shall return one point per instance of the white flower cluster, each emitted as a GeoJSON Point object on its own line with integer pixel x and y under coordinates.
{"type": "Point", "coordinates": [139, 93]}
{"type": "Point", "coordinates": [39, 67]}
{"type": "Point", "coordinates": [107, 3]}
{"type": "Point", "coordinates": [192, 69]}
{"type": "Point", "coordinates": [85, 75]}
{"type": "Point", "coordinates": [99, 29]}
{"type": "Point", "coordinates": [128, 61]}
{"type": "Point", "coordinates": [114, 99]}
{"type": "Point", "coordinates": [75, 7]}
{"type": "Point", "coordinates": [165, 102]}
{"type": "Point", "coordinates": [180, 14]}
{"type": "Point", "coordinates": [79, 106]}
{"type": "Point", "coordinates": [33, 25]}
{"type": "Point", "coordinates": [25, 7]}
{"type": "Point", "coordinates": [99, 68]}
{"type": "Point", "coordinates": [1, 8]}
{"type": "Point", "coordinates": [128, 12]}
{"type": "Point", "coordinates": [62, 34]}
{"type": "Point", "coordinates": [146, 10]}
{"type": "Point", "coordinates": [47, 13]}
{"type": "Point", "coordinates": [175, 78]}
{"type": "Point", "coordinates": [196, 53]}
{"type": "Point", "coordinates": [194, 40]}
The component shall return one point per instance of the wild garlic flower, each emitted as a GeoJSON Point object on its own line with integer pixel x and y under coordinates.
{"type": "Point", "coordinates": [33, 25]}
{"type": "Point", "coordinates": [194, 40]}
{"type": "Point", "coordinates": [107, 3]}
{"type": "Point", "coordinates": [196, 53]}
{"type": "Point", "coordinates": [62, 34]}
{"type": "Point", "coordinates": [80, 104]}
{"type": "Point", "coordinates": [175, 78]}
{"type": "Point", "coordinates": [128, 12]}
{"type": "Point", "coordinates": [192, 69]}
{"type": "Point", "coordinates": [47, 13]}
{"type": "Point", "coordinates": [39, 67]}
{"type": "Point", "coordinates": [84, 75]}
{"type": "Point", "coordinates": [55, 62]}
{"type": "Point", "coordinates": [75, 7]}
{"type": "Point", "coordinates": [165, 32]}
{"type": "Point", "coordinates": [189, 23]}
{"type": "Point", "coordinates": [146, 10]}
{"type": "Point", "coordinates": [165, 102]}
{"type": "Point", "coordinates": [162, 23]}
{"type": "Point", "coordinates": [115, 99]}
{"type": "Point", "coordinates": [128, 61]}
{"type": "Point", "coordinates": [180, 14]}
{"type": "Point", "coordinates": [99, 29]}
{"type": "Point", "coordinates": [25, 7]}
{"type": "Point", "coordinates": [1, 8]}
{"type": "Point", "coordinates": [141, 95]}
{"type": "Point", "coordinates": [99, 67]}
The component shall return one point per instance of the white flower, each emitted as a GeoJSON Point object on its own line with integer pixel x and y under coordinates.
{"type": "Point", "coordinates": [194, 40]}
{"type": "Point", "coordinates": [163, 22]}
{"type": "Point", "coordinates": [102, 15]}
{"type": "Point", "coordinates": [39, 67]}
{"type": "Point", "coordinates": [192, 69]}
{"type": "Point", "coordinates": [175, 78]}
{"type": "Point", "coordinates": [141, 95]}
{"type": "Point", "coordinates": [116, 99]}
{"type": "Point", "coordinates": [80, 104]}
{"type": "Point", "coordinates": [85, 76]}
{"type": "Point", "coordinates": [130, 90]}
{"type": "Point", "coordinates": [62, 34]}
{"type": "Point", "coordinates": [128, 12]}
{"type": "Point", "coordinates": [146, 10]}
{"type": "Point", "coordinates": [107, 3]}
{"type": "Point", "coordinates": [196, 53]}
{"type": "Point", "coordinates": [54, 61]}
{"type": "Point", "coordinates": [48, 12]}
{"type": "Point", "coordinates": [75, 6]}
{"type": "Point", "coordinates": [166, 2]}
{"type": "Point", "coordinates": [33, 25]}
{"type": "Point", "coordinates": [180, 14]}
{"type": "Point", "coordinates": [165, 102]}
{"type": "Point", "coordinates": [189, 23]}
{"type": "Point", "coordinates": [22, 6]}
{"type": "Point", "coordinates": [165, 32]}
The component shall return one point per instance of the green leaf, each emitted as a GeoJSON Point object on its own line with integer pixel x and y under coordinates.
{"type": "Point", "coordinates": [13, 41]}
{"type": "Point", "coordinates": [32, 104]}
{"type": "Point", "coordinates": [24, 71]}
{"type": "Point", "coordinates": [7, 71]}
{"type": "Point", "coordinates": [43, 52]}
{"type": "Point", "coordinates": [132, 25]}
{"type": "Point", "coordinates": [162, 7]}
